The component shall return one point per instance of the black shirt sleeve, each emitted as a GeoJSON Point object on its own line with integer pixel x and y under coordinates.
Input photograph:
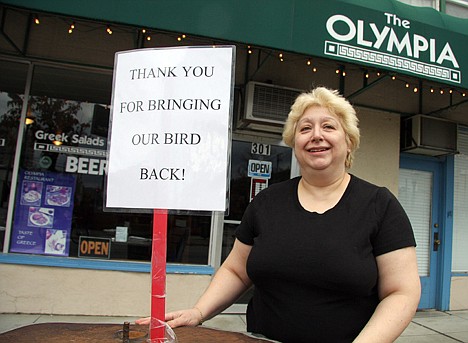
{"type": "Point", "coordinates": [395, 231]}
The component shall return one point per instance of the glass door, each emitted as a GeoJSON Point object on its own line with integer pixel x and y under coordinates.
{"type": "Point", "coordinates": [419, 193]}
{"type": "Point", "coordinates": [254, 166]}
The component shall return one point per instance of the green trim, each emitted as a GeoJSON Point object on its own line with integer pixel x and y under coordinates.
{"type": "Point", "coordinates": [294, 25]}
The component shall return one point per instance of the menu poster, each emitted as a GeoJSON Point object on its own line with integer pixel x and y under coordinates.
{"type": "Point", "coordinates": [43, 215]}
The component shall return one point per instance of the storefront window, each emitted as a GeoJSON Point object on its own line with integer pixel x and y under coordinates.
{"type": "Point", "coordinates": [12, 85]}
{"type": "Point", "coordinates": [61, 182]}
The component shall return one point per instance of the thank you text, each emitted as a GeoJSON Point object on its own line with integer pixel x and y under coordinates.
{"type": "Point", "coordinates": [170, 129]}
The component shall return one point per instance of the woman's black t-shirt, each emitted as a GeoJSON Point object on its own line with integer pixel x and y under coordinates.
{"type": "Point", "coordinates": [315, 275]}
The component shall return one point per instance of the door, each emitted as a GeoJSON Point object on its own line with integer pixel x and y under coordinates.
{"type": "Point", "coordinates": [420, 185]}
{"type": "Point", "coordinates": [254, 166]}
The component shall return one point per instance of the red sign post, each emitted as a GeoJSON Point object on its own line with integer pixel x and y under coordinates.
{"type": "Point", "coordinates": [169, 142]}
{"type": "Point", "coordinates": [158, 277]}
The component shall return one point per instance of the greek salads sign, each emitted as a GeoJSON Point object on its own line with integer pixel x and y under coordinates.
{"type": "Point", "coordinates": [392, 43]}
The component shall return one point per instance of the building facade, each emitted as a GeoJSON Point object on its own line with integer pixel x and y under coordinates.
{"type": "Point", "coordinates": [405, 69]}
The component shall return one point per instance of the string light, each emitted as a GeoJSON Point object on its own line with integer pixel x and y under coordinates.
{"type": "Point", "coordinates": [309, 63]}
{"type": "Point", "coordinates": [339, 71]}
{"type": "Point", "coordinates": [72, 27]}
{"type": "Point", "coordinates": [146, 36]}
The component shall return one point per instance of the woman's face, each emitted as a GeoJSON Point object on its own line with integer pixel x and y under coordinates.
{"type": "Point", "coordinates": [320, 140]}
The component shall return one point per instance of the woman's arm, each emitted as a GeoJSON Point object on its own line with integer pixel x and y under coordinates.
{"type": "Point", "coordinates": [399, 292]}
{"type": "Point", "coordinates": [228, 284]}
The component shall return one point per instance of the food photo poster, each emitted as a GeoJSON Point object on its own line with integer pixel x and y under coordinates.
{"type": "Point", "coordinates": [43, 215]}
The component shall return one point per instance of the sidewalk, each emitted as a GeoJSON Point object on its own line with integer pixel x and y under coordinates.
{"type": "Point", "coordinates": [426, 327]}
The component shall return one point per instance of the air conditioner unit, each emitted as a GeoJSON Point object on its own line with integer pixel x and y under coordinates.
{"type": "Point", "coordinates": [425, 135]}
{"type": "Point", "coordinates": [268, 104]}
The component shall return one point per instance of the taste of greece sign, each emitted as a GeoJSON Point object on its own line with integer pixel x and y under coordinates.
{"type": "Point", "coordinates": [170, 128]}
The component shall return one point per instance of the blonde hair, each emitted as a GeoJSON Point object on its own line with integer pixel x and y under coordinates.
{"type": "Point", "coordinates": [335, 104]}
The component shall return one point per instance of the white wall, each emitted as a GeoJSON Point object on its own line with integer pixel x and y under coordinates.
{"type": "Point", "coordinates": [52, 290]}
{"type": "Point", "coordinates": [377, 159]}
{"type": "Point", "coordinates": [459, 293]}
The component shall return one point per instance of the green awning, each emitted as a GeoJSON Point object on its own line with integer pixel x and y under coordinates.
{"type": "Point", "coordinates": [384, 34]}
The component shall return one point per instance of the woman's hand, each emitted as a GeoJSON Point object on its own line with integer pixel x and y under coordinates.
{"type": "Point", "coordinates": [191, 317]}
{"type": "Point", "coordinates": [228, 284]}
{"type": "Point", "coordinates": [143, 321]}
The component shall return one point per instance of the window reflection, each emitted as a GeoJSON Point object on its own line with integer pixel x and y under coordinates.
{"type": "Point", "coordinates": [9, 123]}
{"type": "Point", "coordinates": [61, 183]}
{"type": "Point", "coordinates": [12, 83]}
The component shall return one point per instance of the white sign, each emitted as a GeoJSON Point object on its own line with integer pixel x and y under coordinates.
{"type": "Point", "coordinates": [259, 169]}
{"type": "Point", "coordinates": [256, 186]}
{"type": "Point", "coordinates": [121, 233]}
{"type": "Point", "coordinates": [169, 136]}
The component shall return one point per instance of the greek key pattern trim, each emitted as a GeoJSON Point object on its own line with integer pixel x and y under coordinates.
{"type": "Point", "coordinates": [64, 149]}
{"type": "Point", "coordinates": [391, 61]}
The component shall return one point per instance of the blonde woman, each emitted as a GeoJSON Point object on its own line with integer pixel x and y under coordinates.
{"type": "Point", "coordinates": [332, 257]}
